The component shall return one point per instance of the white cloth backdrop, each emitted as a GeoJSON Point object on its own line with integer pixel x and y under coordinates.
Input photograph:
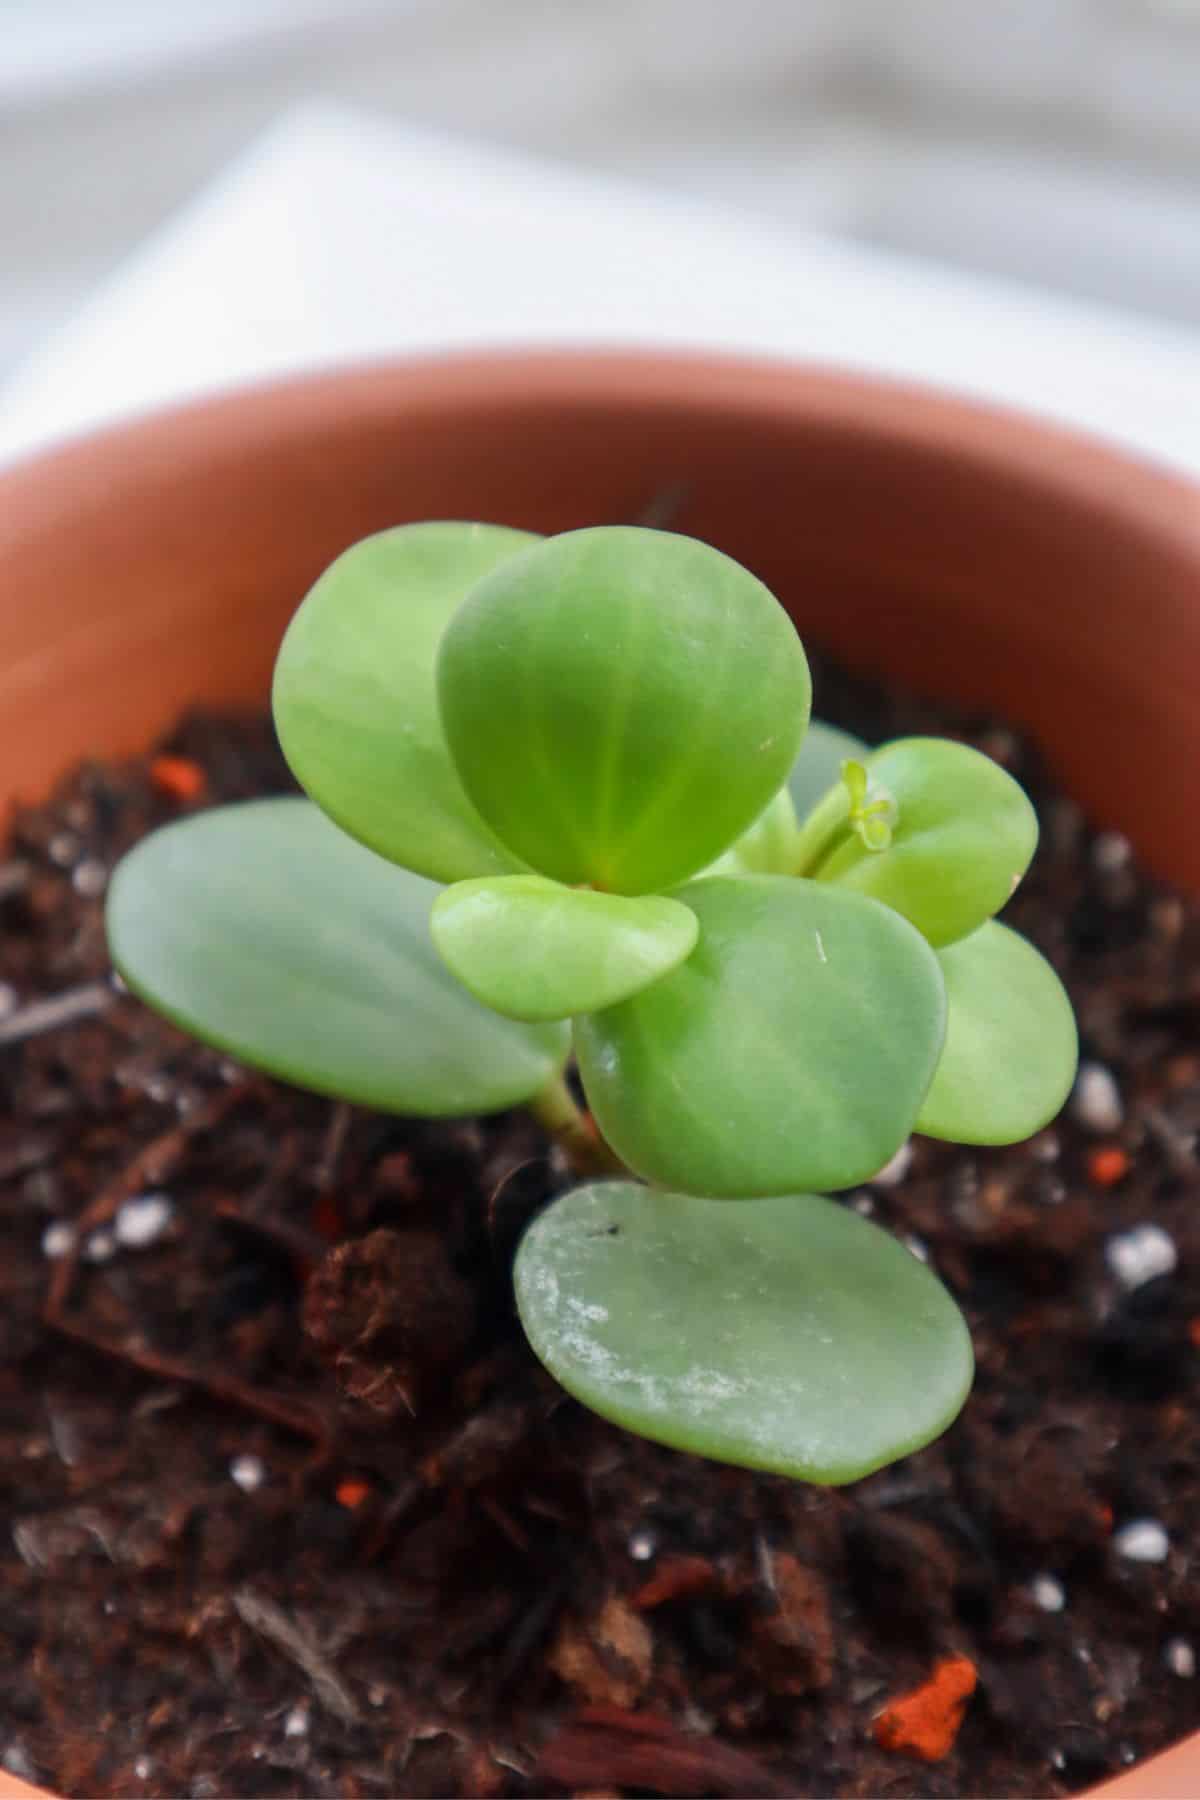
{"type": "Point", "coordinates": [341, 236]}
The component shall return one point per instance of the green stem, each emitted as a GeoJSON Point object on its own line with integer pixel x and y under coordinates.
{"type": "Point", "coordinates": [555, 1110]}
{"type": "Point", "coordinates": [827, 821]}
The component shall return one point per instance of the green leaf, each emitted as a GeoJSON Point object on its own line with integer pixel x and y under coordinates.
{"type": "Point", "coordinates": [355, 703]}
{"type": "Point", "coordinates": [1011, 1047]}
{"type": "Point", "coordinates": [621, 704]}
{"type": "Point", "coordinates": [769, 847]}
{"type": "Point", "coordinates": [535, 950]}
{"type": "Point", "coordinates": [962, 837]}
{"type": "Point", "coordinates": [773, 844]}
{"type": "Point", "coordinates": [791, 1050]}
{"type": "Point", "coordinates": [263, 929]}
{"type": "Point", "coordinates": [819, 764]}
{"type": "Point", "coordinates": [784, 1334]}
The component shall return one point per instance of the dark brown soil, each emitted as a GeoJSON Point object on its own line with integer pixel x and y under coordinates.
{"type": "Point", "coordinates": [289, 1509]}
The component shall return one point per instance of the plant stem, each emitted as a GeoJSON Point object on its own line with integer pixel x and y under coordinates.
{"type": "Point", "coordinates": [828, 821]}
{"type": "Point", "coordinates": [556, 1112]}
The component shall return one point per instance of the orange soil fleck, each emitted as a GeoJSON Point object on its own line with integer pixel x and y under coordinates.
{"type": "Point", "coordinates": [925, 1722]}
{"type": "Point", "coordinates": [178, 777]}
{"type": "Point", "coordinates": [1107, 1165]}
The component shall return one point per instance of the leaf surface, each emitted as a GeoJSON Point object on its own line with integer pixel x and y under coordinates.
{"type": "Point", "coordinates": [791, 1051]}
{"type": "Point", "coordinates": [533, 949]}
{"type": "Point", "coordinates": [621, 704]}
{"type": "Point", "coordinates": [264, 930]}
{"type": "Point", "coordinates": [963, 838]}
{"type": "Point", "coordinates": [1011, 1047]}
{"type": "Point", "coordinates": [355, 704]}
{"type": "Point", "coordinates": [784, 1334]}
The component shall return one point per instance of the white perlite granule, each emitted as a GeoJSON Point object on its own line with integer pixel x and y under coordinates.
{"type": "Point", "coordinates": [1142, 1540]}
{"type": "Point", "coordinates": [1096, 1098]}
{"type": "Point", "coordinates": [248, 1473]}
{"type": "Point", "coordinates": [58, 1240]}
{"type": "Point", "coordinates": [142, 1220]}
{"type": "Point", "coordinates": [1141, 1254]}
{"type": "Point", "coordinates": [1048, 1593]}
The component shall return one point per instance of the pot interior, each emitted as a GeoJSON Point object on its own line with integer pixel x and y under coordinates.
{"type": "Point", "coordinates": [968, 554]}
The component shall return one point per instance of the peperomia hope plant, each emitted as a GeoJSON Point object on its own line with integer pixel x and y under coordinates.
{"type": "Point", "coordinates": [565, 800]}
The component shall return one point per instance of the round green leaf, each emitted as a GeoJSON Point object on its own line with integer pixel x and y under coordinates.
{"type": "Point", "coordinates": [263, 929]}
{"type": "Point", "coordinates": [963, 836]}
{"type": "Point", "coordinates": [819, 764]}
{"type": "Point", "coordinates": [1011, 1046]}
{"type": "Point", "coordinates": [768, 847]}
{"type": "Point", "coordinates": [355, 703]}
{"type": "Point", "coordinates": [773, 845]}
{"type": "Point", "coordinates": [535, 950]}
{"type": "Point", "coordinates": [621, 704]}
{"type": "Point", "coordinates": [784, 1334]}
{"type": "Point", "coordinates": [791, 1050]}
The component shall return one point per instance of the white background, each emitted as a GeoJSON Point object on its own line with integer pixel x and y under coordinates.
{"type": "Point", "coordinates": [1051, 142]}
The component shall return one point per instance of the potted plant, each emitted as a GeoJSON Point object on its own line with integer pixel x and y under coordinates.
{"type": "Point", "coordinates": [570, 765]}
{"type": "Point", "coordinates": [930, 542]}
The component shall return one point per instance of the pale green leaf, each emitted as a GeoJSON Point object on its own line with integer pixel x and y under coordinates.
{"type": "Point", "coordinates": [768, 847]}
{"type": "Point", "coordinates": [621, 704]}
{"type": "Point", "coordinates": [354, 698]}
{"type": "Point", "coordinates": [533, 949]}
{"type": "Point", "coordinates": [962, 836]}
{"type": "Point", "coordinates": [266, 931]}
{"type": "Point", "coordinates": [783, 1334]}
{"type": "Point", "coordinates": [773, 844]}
{"type": "Point", "coordinates": [1011, 1047]}
{"type": "Point", "coordinates": [792, 1050]}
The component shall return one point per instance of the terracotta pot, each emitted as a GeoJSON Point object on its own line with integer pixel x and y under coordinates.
{"type": "Point", "coordinates": [12, 1788]}
{"type": "Point", "coordinates": [971, 554]}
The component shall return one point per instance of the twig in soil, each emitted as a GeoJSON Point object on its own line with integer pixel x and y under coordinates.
{"type": "Point", "coordinates": [335, 1143]}
{"type": "Point", "coordinates": [766, 1566]}
{"type": "Point", "coordinates": [468, 1457]}
{"type": "Point", "coordinates": [1179, 1147]}
{"type": "Point", "coordinates": [60, 1009]}
{"type": "Point", "coordinates": [285, 1161]}
{"type": "Point", "coordinates": [504, 1522]}
{"type": "Point", "coordinates": [271, 1622]}
{"type": "Point", "coordinates": [607, 1748]}
{"type": "Point", "coordinates": [277, 1409]}
{"type": "Point", "coordinates": [480, 1447]}
{"type": "Point", "coordinates": [900, 1492]}
{"type": "Point", "coordinates": [300, 1245]}
{"type": "Point", "coordinates": [151, 1165]}
{"type": "Point", "coordinates": [529, 1631]}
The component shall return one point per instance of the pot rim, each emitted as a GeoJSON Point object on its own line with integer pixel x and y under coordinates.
{"type": "Point", "coordinates": [1062, 458]}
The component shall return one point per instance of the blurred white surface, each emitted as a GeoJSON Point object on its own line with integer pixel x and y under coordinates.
{"type": "Point", "coordinates": [56, 48]}
{"type": "Point", "coordinates": [340, 236]}
{"type": "Point", "coordinates": [1056, 142]}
